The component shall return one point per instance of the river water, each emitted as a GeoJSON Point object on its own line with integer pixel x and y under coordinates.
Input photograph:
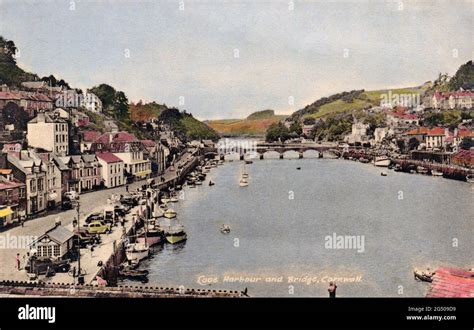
{"type": "Point", "coordinates": [280, 223]}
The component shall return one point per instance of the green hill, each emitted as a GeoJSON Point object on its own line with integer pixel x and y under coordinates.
{"type": "Point", "coordinates": [10, 73]}
{"type": "Point", "coordinates": [264, 114]}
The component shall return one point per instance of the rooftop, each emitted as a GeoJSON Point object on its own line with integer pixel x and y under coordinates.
{"type": "Point", "coordinates": [452, 283]}
{"type": "Point", "coordinates": [108, 157]}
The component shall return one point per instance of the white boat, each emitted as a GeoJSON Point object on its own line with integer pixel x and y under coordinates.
{"type": "Point", "coordinates": [225, 229]}
{"type": "Point", "coordinates": [175, 234]}
{"type": "Point", "coordinates": [243, 182]}
{"type": "Point", "coordinates": [170, 213]}
{"type": "Point", "coordinates": [470, 178]}
{"type": "Point", "coordinates": [174, 199]}
{"type": "Point", "coordinates": [436, 173]}
{"type": "Point", "coordinates": [137, 251]}
{"type": "Point", "coordinates": [382, 161]}
{"type": "Point", "coordinates": [198, 183]}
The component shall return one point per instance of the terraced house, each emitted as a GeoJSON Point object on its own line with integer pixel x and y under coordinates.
{"type": "Point", "coordinates": [84, 172]}
{"type": "Point", "coordinates": [49, 132]}
{"type": "Point", "coordinates": [12, 198]}
{"type": "Point", "coordinates": [128, 148]}
{"type": "Point", "coordinates": [30, 170]}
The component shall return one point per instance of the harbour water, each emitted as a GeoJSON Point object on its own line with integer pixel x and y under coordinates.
{"type": "Point", "coordinates": [279, 242]}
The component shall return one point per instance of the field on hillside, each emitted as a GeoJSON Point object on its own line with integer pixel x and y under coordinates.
{"type": "Point", "coordinates": [366, 99]}
{"type": "Point", "coordinates": [234, 127]}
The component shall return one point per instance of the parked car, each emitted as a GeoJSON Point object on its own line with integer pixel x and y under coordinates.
{"type": "Point", "coordinates": [93, 217]}
{"type": "Point", "coordinates": [40, 266]}
{"type": "Point", "coordinates": [71, 195]}
{"type": "Point", "coordinates": [85, 238]}
{"type": "Point", "coordinates": [98, 227]}
{"type": "Point", "coordinates": [67, 204]}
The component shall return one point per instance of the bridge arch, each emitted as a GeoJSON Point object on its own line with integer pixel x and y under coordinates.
{"type": "Point", "coordinates": [271, 154]}
{"type": "Point", "coordinates": [291, 154]}
{"type": "Point", "coordinates": [311, 153]}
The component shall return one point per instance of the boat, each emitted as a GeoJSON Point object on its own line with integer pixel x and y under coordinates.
{"type": "Point", "coordinates": [225, 229]}
{"type": "Point", "coordinates": [175, 234]}
{"type": "Point", "coordinates": [134, 274]}
{"type": "Point", "coordinates": [383, 173]}
{"type": "Point", "coordinates": [198, 183]}
{"type": "Point", "coordinates": [421, 170]}
{"type": "Point", "coordinates": [211, 183]}
{"type": "Point", "coordinates": [248, 162]}
{"type": "Point", "coordinates": [298, 168]}
{"type": "Point", "coordinates": [137, 251]}
{"type": "Point", "coordinates": [397, 168]}
{"type": "Point", "coordinates": [382, 161]}
{"type": "Point", "coordinates": [436, 173]}
{"type": "Point", "coordinates": [174, 199]}
{"type": "Point", "coordinates": [363, 160]}
{"type": "Point", "coordinates": [153, 236]}
{"type": "Point", "coordinates": [170, 214]}
{"type": "Point", "coordinates": [470, 178]}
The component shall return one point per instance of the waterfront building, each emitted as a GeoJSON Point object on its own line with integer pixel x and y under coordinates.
{"type": "Point", "coordinates": [55, 243]}
{"type": "Point", "coordinates": [156, 153]}
{"type": "Point", "coordinates": [12, 198]}
{"type": "Point", "coordinates": [49, 132]}
{"type": "Point", "coordinates": [85, 172]}
{"type": "Point", "coordinates": [111, 169]}
{"type": "Point", "coordinates": [30, 170]}
{"type": "Point", "coordinates": [126, 147]}
{"type": "Point", "coordinates": [435, 138]}
{"type": "Point", "coordinates": [358, 134]}
{"type": "Point", "coordinates": [53, 178]}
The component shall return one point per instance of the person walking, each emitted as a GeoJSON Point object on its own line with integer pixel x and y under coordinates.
{"type": "Point", "coordinates": [18, 263]}
{"type": "Point", "coordinates": [332, 290]}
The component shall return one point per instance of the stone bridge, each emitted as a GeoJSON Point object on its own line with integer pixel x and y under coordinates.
{"type": "Point", "coordinates": [280, 148]}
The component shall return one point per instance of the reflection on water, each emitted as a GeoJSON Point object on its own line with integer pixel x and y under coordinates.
{"type": "Point", "coordinates": [280, 224]}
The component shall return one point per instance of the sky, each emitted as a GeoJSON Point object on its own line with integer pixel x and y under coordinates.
{"type": "Point", "coordinates": [227, 59]}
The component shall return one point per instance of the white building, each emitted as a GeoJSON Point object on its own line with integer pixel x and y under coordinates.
{"type": "Point", "coordinates": [49, 133]}
{"type": "Point", "coordinates": [358, 134]}
{"type": "Point", "coordinates": [134, 163]}
{"type": "Point", "coordinates": [112, 169]}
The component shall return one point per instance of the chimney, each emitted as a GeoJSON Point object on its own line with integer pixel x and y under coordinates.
{"type": "Point", "coordinates": [40, 117]}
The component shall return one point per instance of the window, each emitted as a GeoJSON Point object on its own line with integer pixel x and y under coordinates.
{"type": "Point", "coordinates": [56, 250]}
{"type": "Point", "coordinates": [50, 251]}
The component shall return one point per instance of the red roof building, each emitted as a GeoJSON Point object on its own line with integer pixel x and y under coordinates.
{"type": "Point", "coordinates": [108, 157]}
{"type": "Point", "coordinates": [452, 283]}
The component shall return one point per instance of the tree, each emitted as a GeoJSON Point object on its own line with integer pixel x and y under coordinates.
{"type": "Point", "coordinates": [277, 132]}
{"type": "Point", "coordinates": [121, 106]}
{"type": "Point", "coordinates": [413, 143]}
{"type": "Point", "coordinates": [106, 94]}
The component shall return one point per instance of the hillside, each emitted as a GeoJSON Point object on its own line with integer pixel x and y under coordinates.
{"type": "Point", "coordinates": [256, 124]}
{"type": "Point", "coordinates": [10, 73]}
{"type": "Point", "coordinates": [264, 114]}
{"type": "Point", "coordinates": [350, 101]}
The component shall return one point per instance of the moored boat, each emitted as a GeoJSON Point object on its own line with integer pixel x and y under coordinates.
{"type": "Point", "coordinates": [436, 173]}
{"type": "Point", "coordinates": [170, 214]}
{"type": "Point", "coordinates": [175, 234]}
{"type": "Point", "coordinates": [153, 236]}
{"type": "Point", "coordinates": [470, 178]}
{"type": "Point", "coordinates": [137, 251]}
{"type": "Point", "coordinates": [422, 170]}
{"type": "Point", "coordinates": [382, 161]}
